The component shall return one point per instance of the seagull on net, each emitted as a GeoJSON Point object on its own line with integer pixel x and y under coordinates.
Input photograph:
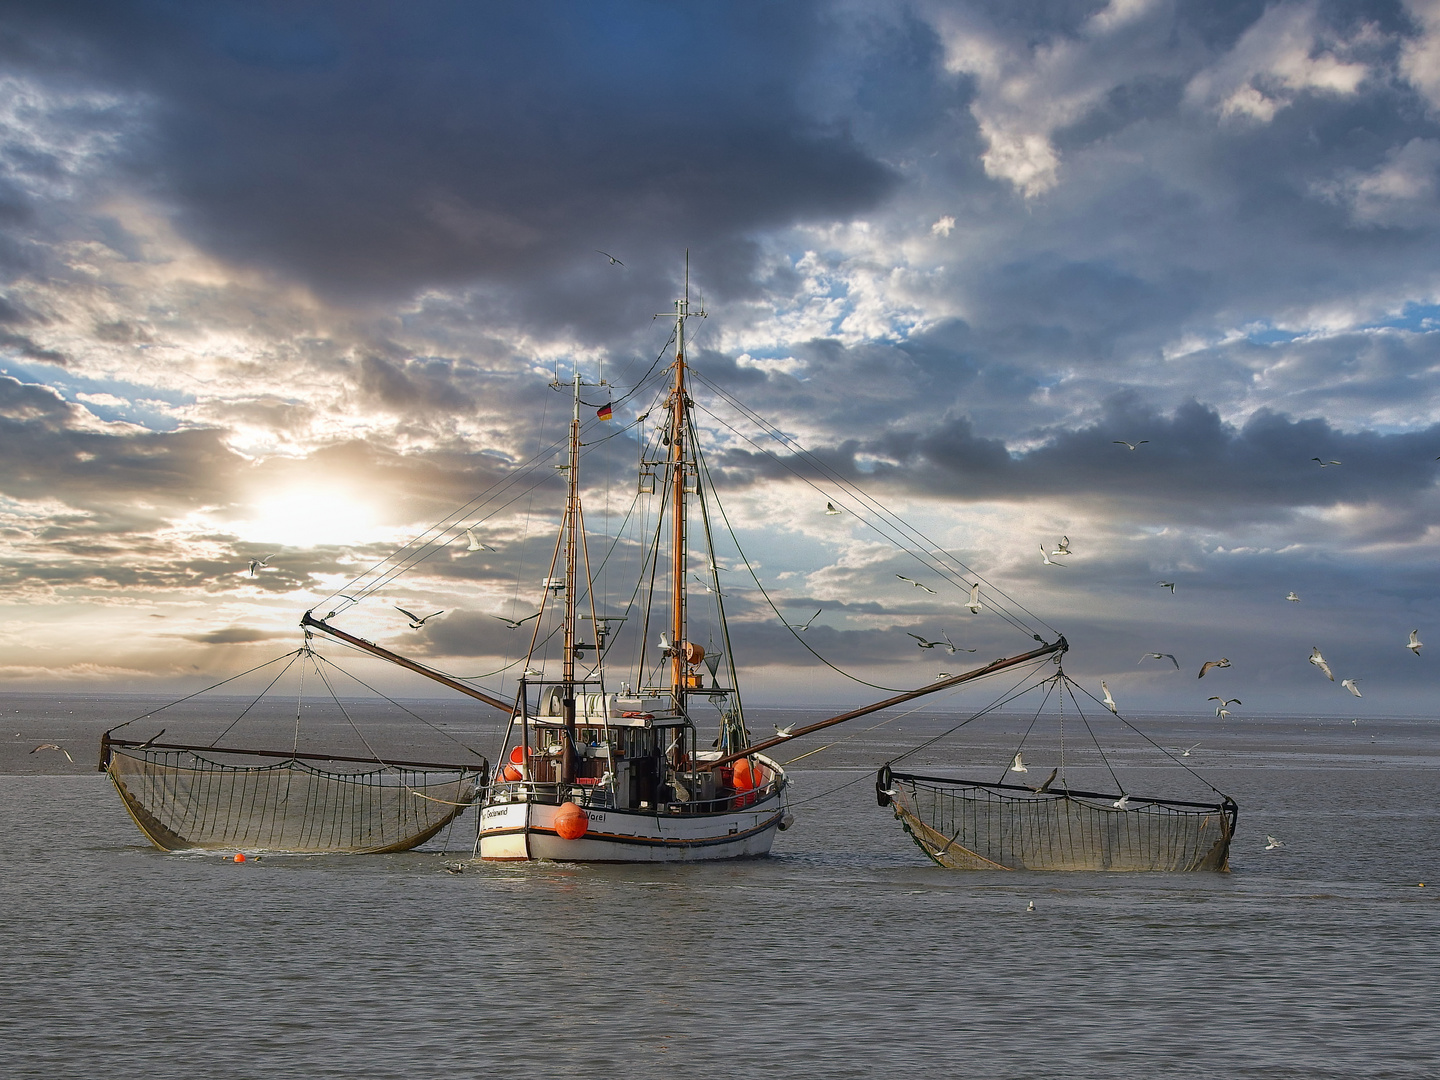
{"type": "Point", "coordinates": [613, 260]}
{"type": "Point", "coordinates": [1160, 656]}
{"type": "Point", "coordinates": [830, 508]}
{"type": "Point", "coordinates": [1017, 765]}
{"type": "Point", "coordinates": [1045, 558]}
{"type": "Point", "coordinates": [1415, 644]}
{"type": "Point", "coordinates": [513, 624]}
{"type": "Point", "coordinates": [806, 626]}
{"type": "Point", "coordinates": [1122, 803]}
{"type": "Point", "coordinates": [1109, 701]}
{"type": "Point", "coordinates": [1292, 597]}
{"type": "Point", "coordinates": [256, 564]}
{"type": "Point", "coordinates": [974, 602]}
{"type": "Point", "coordinates": [1324, 464]}
{"type": "Point", "coordinates": [1273, 842]}
{"type": "Point", "coordinates": [917, 584]}
{"type": "Point", "coordinates": [473, 542]}
{"type": "Point", "coordinates": [1167, 585]}
{"type": "Point", "coordinates": [416, 622]}
{"type": "Point", "coordinates": [1319, 661]}
{"type": "Point", "coordinates": [1063, 548]}
{"type": "Point", "coordinates": [1222, 662]}
{"type": "Point", "coordinates": [53, 746]}
{"type": "Point", "coordinates": [1349, 684]}
{"type": "Point", "coordinates": [1129, 445]}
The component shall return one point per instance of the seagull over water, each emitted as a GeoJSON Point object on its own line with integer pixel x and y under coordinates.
{"type": "Point", "coordinates": [1160, 656]}
{"type": "Point", "coordinates": [1273, 842]}
{"type": "Point", "coordinates": [806, 625]}
{"type": "Point", "coordinates": [917, 584]}
{"type": "Point", "coordinates": [1109, 701]}
{"type": "Point", "coordinates": [1129, 445]}
{"type": "Point", "coordinates": [1186, 751]}
{"type": "Point", "coordinates": [784, 732]}
{"type": "Point", "coordinates": [1222, 710]}
{"type": "Point", "coordinates": [1046, 558]}
{"type": "Point", "coordinates": [513, 624]}
{"type": "Point", "coordinates": [416, 622]}
{"type": "Point", "coordinates": [1292, 597]}
{"type": "Point", "coordinates": [1319, 661]}
{"type": "Point", "coordinates": [1415, 644]}
{"type": "Point", "coordinates": [1222, 662]}
{"type": "Point", "coordinates": [53, 746]}
{"type": "Point", "coordinates": [1349, 684]}
{"type": "Point", "coordinates": [1015, 766]}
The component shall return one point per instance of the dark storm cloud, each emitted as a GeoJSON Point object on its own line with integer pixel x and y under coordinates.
{"type": "Point", "coordinates": [50, 448]}
{"type": "Point", "coordinates": [1194, 466]}
{"type": "Point", "coordinates": [358, 146]}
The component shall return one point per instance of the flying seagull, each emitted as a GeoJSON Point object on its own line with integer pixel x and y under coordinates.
{"type": "Point", "coordinates": [1048, 781]}
{"type": "Point", "coordinates": [1167, 585]}
{"type": "Point", "coordinates": [1017, 765]}
{"type": "Point", "coordinates": [1129, 445]}
{"type": "Point", "coordinates": [784, 732]}
{"type": "Point", "coordinates": [1324, 464]}
{"type": "Point", "coordinates": [830, 508]}
{"type": "Point", "coordinates": [256, 564]}
{"type": "Point", "coordinates": [613, 260]}
{"type": "Point", "coordinates": [473, 542]}
{"type": "Point", "coordinates": [1030, 906]}
{"type": "Point", "coordinates": [1063, 548]}
{"type": "Point", "coordinates": [923, 643]}
{"type": "Point", "coordinates": [974, 602]}
{"type": "Point", "coordinates": [1221, 710]}
{"type": "Point", "coordinates": [917, 584]}
{"type": "Point", "coordinates": [806, 626]}
{"type": "Point", "coordinates": [951, 645]}
{"type": "Point", "coordinates": [1273, 842]}
{"type": "Point", "coordinates": [1319, 661]}
{"type": "Point", "coordinates": [1046, 558]}
{"type": "Point", "coordinates": [1186, 751]}
{"type": "Point", "coordinates": [1222, 662]}
{"type": "Point", "coordinates": [151, 740]}
{"type": "Point", "coordinates": [1292, 597]}
{"type": "Point", "coordinates": [1349, 684]}
{"type": "Point", "coordinates": [53, 746]}
{"type": "Point", "coordinates": [1160, 656]}
{"type": "Point", "coordinates": [513, 624]}
{"type": "Point", "coordinates": [416, 622]}
{"type": "Point", "coordinates": [1109, 701]}
{"type": "Point", "coordinates": [1415, 643]}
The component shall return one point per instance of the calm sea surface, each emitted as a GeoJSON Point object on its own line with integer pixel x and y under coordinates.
{"type": "Point", "coordinates": [844, 954]}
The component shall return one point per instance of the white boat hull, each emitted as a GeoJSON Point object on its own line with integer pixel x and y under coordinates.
{"type": "Point", "coordinates": [522, 830]}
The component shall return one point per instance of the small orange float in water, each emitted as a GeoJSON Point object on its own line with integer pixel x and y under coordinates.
{"type": "Point", "coordinates": [239, 856]}
{"type": "Point", "coordinates": [571, 822]}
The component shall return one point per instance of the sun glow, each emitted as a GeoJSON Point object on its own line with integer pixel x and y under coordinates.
{"type": "Point", "coordinates": [309, 518]}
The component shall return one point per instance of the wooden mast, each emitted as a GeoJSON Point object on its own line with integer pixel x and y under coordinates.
{"type": "Point", "coordinates": [678, 539]}
{"type": "Point", "coordinates": [572, 517]}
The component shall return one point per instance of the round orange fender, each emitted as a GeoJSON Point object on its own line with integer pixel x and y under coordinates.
{"type": "Point", "coordinates": [746, 775]}
{"type": "Point", "coordinates": [571, 822]}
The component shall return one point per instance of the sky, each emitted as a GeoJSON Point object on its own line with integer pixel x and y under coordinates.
{"type": "Point", "coordinates": [292, 280]}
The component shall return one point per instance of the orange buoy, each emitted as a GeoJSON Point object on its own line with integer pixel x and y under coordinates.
{"type": "Point", "coordinates": [511, 773]}
{"type": "Point", "coordinates": [517, 756]}
{"type": "Point", "coordinates": [746, 775]}
{"type": "Point", "coordinates": [571, 822]}
{"type": "Point", "coordinates": [239, 856]}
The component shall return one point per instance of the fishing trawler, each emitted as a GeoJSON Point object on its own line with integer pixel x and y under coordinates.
{"type": "Point", "coordinates": [593, 767]}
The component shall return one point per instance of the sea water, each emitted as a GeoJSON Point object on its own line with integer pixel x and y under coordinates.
{"type": "Point", "coordinates": [843, 954]}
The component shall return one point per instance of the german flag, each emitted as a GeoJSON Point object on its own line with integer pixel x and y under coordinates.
{"type": "Point", "coordinates": [605, 412]}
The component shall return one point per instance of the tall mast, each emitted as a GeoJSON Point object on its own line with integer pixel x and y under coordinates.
{"type": "Point", "coordinates": [679, 467]}
{"type": "Point", "coordinates": [572, 519]}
